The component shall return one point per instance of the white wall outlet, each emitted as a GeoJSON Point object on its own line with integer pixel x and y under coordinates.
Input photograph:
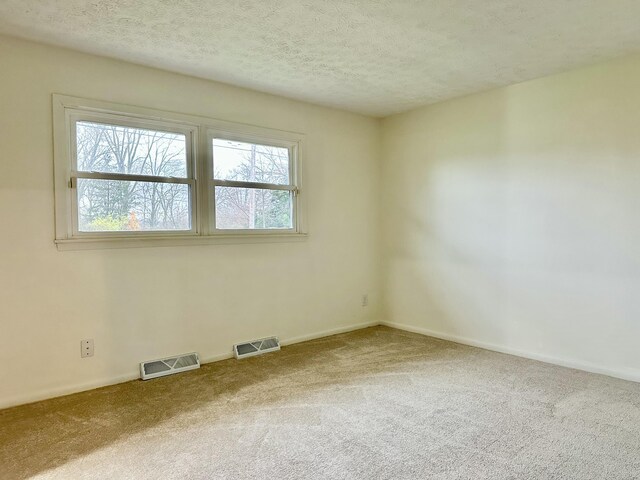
{"type": "Point", "coordinates": [365, 299]}
{"type": "Point", "coordinates": [86, 348]}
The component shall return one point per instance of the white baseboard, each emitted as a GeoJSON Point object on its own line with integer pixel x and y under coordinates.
{"type": "Point", "coordinates": [624, 374]}
{"type": "Point", "coordinates": [135, 374]}
{"type": "Point", "coordinates": [299, 339]}
{"type": "Point", "coordinates": [66, 390]}
{"type": "Point", "coordinates": [328, 333]}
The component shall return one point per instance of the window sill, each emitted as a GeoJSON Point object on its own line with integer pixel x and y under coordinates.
{"type": "Point", "coordinates": [174, 240]}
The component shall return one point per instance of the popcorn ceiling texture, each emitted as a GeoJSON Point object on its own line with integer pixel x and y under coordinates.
{"type": "Point", "coordinates": [375, 57]}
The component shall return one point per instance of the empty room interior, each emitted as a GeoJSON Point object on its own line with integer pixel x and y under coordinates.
{"type": "Point", "coordinates": [320, 239]}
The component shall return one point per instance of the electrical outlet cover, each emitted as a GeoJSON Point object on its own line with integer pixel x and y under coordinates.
{"type": "Point", "coordinates": [86, 348]}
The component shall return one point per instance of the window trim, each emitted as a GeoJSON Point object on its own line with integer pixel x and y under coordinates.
{"type": "Point", "coordinates": [199, 130]}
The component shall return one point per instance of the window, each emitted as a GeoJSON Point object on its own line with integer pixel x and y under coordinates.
{"type": "Point", "coordinates": [126, 176]}
{"type": "Point", "coordinates": [252, 185]}
{"type": "Point", "coordinates": [130, 179]}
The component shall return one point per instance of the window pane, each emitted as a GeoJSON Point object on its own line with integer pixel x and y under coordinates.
{"type": "Point", "coordinates": [118, 149]}
{"type": "Point", "coordinates": [249, 162]}
{"type": "Point", "coordinates": [114, 205]}
{"type": "Point", "coordinates": [253, 208]}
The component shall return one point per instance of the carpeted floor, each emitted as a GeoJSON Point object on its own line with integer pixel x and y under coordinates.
{"type": "Point", "coordinates": [374, 404]}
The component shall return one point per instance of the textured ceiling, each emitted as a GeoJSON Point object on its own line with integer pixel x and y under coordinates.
{"type": "Point", "coordinates": [371, 56]}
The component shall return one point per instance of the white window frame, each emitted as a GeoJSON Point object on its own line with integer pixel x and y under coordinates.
{"type": "Point", "coordinates": [290, 144]}
{"type": "Point", "coordinates": [199, 133]}
{"type": "Point", "coordinates": [191, 136]}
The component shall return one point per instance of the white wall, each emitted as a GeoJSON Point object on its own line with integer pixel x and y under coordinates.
{"type": "Point", "coordinates": [511, 221]}
{"type": "Point", "coordinates": [144, 303]}
{"type": "Point", "coordinates": [512, 218]}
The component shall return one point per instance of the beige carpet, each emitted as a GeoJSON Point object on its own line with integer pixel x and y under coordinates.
{"type": "Point", "coordinates": [374, 404]}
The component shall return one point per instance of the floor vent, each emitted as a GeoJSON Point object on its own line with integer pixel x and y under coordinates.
{"type": "Point", "coordinates": [168, 366]}
{"type": "Point", "coordinates": [256, 347]}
